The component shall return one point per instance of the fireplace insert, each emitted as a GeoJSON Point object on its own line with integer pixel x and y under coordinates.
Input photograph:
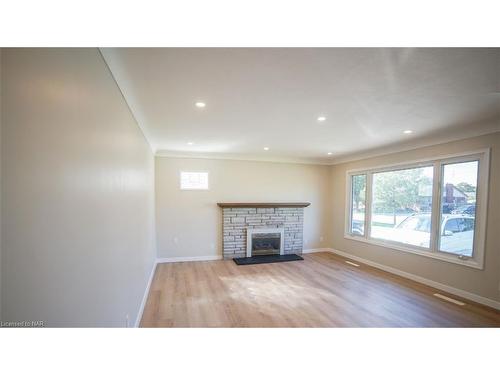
{"type": "Point", "coordinates": [266, 243]}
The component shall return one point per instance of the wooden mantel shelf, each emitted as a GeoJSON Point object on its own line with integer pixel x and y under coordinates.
{"type": "Point", "coordinates": [263, 205]}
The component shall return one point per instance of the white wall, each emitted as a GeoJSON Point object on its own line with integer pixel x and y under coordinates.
{"type": "Point", "coordinates": [77, 192]}
{"type": "Point", "coordinates": [189, 223]}
{"type": "Point", "coordinates": [485, 283]}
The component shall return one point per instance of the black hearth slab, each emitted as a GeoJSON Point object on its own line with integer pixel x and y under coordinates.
{"type": "Point", "coordinates": [259, 259]}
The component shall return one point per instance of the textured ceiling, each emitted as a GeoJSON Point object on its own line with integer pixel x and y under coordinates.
{"type": "Point", "coordinates": [263, 97]}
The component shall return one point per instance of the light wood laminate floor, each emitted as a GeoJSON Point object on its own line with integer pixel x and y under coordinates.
{"type": "Point", "coordinates": [321, 291]}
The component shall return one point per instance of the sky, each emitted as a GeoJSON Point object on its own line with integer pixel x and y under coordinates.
{"type": "Point", "coordinates": [458, 172]}
{"type": "Point", "coordinates": [463, 172]}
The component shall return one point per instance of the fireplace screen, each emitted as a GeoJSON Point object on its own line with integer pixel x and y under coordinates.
{"type": "Point", "coordinates": [266, 243]}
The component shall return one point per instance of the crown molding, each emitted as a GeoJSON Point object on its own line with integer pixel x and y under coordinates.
{"type": "Point", "coordinates": [238, 157]}
{"type": "Point", "coordinates": [458, 134]}
{"type": "Point", "coordinates": [434, 139]}
{"type": "Point", "coordinates": [147, 138]}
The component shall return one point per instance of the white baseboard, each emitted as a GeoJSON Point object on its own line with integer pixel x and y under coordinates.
{"type": "Point", "coordinates": [146, 294]}
{"type": "Point", "coordinates": [219, 257]}
{"type": "Point", "coordinates": [188, 259]}
{"type": "Point", "coordinates": [434, 284]}
{"type": "Point", "coordinates": [319, 250]}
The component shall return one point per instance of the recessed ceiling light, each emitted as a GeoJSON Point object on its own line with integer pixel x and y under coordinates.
{"type": "Point", "coordinates": [200, 104]}
{"type": "Point", "coordinates": [408, 131]}
{"type": "Point", "coordinates": [321, 118]}
{"type": "Point", "coordinates": [266, 148]}
{"type": "Point", "coordinates": [190, 143]}
{"type": "Point", "coordinates": [330, 153]}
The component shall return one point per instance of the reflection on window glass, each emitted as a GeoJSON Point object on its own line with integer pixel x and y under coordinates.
{"type": "Point", "coordinates": [401, 206]}
{"type": "Point", "coordinates": [358, 186]}
{"type": "Point", "coordinates": [458, 207]}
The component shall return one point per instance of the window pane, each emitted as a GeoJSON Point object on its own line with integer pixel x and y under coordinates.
{"type": "Point", "coordinates": [401, 206]}
{"type": "Point", "coordinates": [358, 191]}
{"type": "Point", "coordinates": [458, 207]}
{"type": "Point", "coordinates": [194, 180]}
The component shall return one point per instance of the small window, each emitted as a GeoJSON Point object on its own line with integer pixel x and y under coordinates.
{"type": "Point", "coordinates": [194, 180]}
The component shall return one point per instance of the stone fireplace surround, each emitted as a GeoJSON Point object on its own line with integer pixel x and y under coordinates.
{"type": "Point", "coordinates": [238, 217]}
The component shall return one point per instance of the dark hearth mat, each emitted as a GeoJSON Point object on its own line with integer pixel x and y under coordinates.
{"type": "Point", "coordinates": [258, 259]}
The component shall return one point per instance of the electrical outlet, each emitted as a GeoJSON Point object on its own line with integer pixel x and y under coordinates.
{"type": "Point", "coordinates": [176, 240]}
{"type": "Point", "coordinates": [212, 246]}
{"type": "Point", "coordinates": [127, 321]}
{"type": "Point", "coordinates": [321, 239]}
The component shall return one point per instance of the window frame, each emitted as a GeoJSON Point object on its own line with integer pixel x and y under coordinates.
{"type": "Point", "coordinates": [477, 258]}
{"type": "Point", "coordinates": [193, 189]}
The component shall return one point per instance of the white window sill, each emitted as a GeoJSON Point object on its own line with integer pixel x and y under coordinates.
{"type": "Point", "coordinates": [414, 250]}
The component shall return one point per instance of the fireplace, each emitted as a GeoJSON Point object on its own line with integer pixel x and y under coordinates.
{"type": "Point", "coordinates": [265, 241]}
{"type": "Point", "coordinates": [240, 219]}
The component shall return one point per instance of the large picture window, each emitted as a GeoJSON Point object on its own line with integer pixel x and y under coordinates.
{"type": "Point", "coordinates": [401, 206]}
{"type": "Point", "coordinates": [435, 207]}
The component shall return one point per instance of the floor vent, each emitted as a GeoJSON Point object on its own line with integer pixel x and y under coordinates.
{"type": "Point", "coordinates": [456, 302]}
{"type": "Point", "coordinates": [352, 264]}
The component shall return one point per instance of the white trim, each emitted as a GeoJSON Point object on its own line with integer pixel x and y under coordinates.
{"type": "Point", "coordinates": [434, 284]}
{"type": "Point", "coordinates": [437, 162]}
{"type": "Point", "coordinates": [132, 113]}
{"type": "Point", "coordinates": [394, 148]}
{"type": "Point", "coordinates": [189, 259]}
{"type": "Point", "coordinates": [415, 163]}
{"type": "Point", "coordinates": [436, 202]}
{"type": "Point", "coordinates": [319, 250]}
{"type": "Point", "coordinates": [352, 263]}
{"type": "Point", "coordinates": [153, 270]}
{"type": "Point", "coordinates": [452, 300]}
{"type": "Point", "coordinates": [145, 296]}
{"type": "Point", "coordinates": [251, 231]}
{"type": "Point", "coordinates": [239, 157]}
{"type": "Point", "coordinates": [481, 216]}
{"type": "Point", "coordinates": [416, 144]}
{"type": "Point", "coordinates": [446, 257]}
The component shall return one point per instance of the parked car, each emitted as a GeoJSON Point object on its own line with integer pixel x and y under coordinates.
{"type": "Point", "coordinates": [358, 227]}
{"type": "Point", "coordinates": [456, 232]}
{"type": "Point", "coordinates": [448, 208]}
{"type": "Point", "coordinates": [466, 210]}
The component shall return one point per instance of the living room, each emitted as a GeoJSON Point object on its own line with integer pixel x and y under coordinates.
{"type": "Point", "coordinates": [272, 186]}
